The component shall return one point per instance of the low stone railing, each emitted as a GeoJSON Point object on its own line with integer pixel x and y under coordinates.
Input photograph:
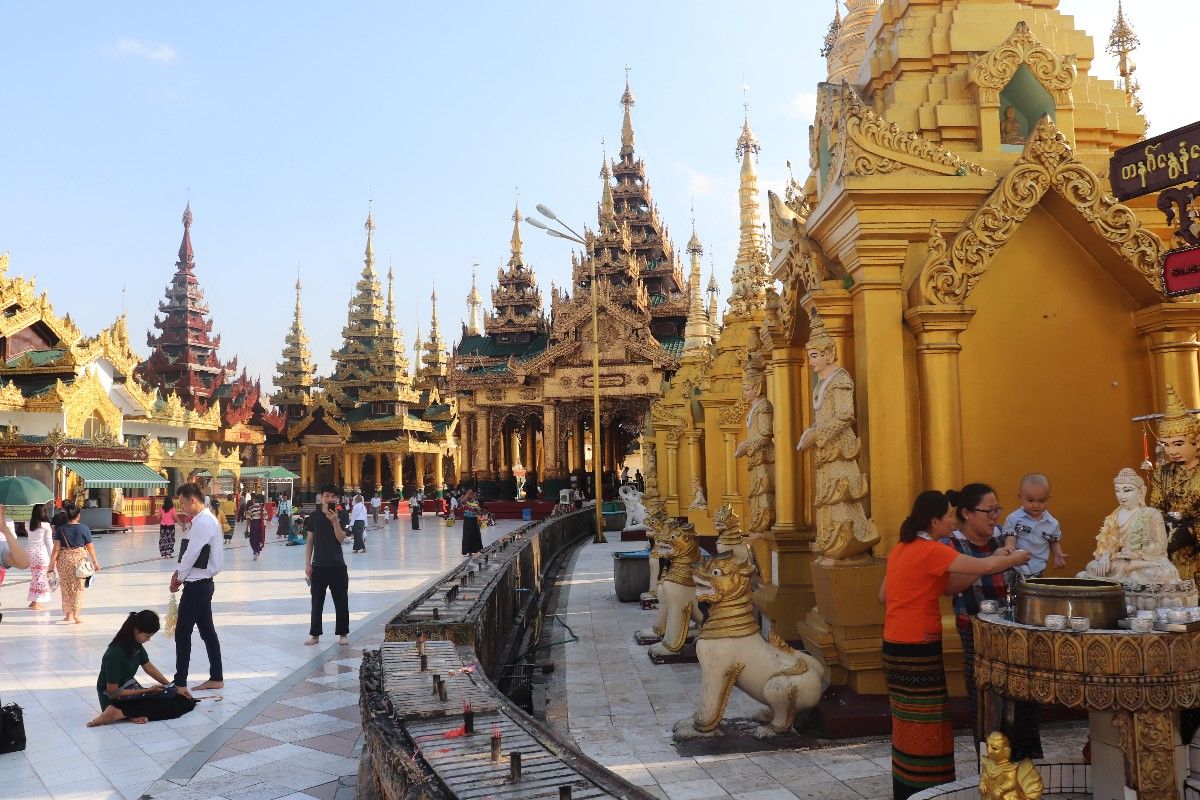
{"type": "Point", "coordinates": [464, 630]}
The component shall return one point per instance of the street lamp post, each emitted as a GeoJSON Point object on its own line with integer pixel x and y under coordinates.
{"type": "Point", "coordinates": [572, 236]}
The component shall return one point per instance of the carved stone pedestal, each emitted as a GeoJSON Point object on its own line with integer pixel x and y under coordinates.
{"type": "Point", "coordinates": [846, 627]}
{"type": "Point", "coordinates": [786, 594]}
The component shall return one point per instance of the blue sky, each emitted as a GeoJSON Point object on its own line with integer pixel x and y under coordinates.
{"type": "Point", "coordinates": [283, 119]}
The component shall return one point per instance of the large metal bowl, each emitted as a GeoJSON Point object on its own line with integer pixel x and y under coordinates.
{"type": "Point", "coordinates": [1102, 602]}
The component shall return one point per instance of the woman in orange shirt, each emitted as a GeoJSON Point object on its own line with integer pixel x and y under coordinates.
{"type": "Point", "coordinates": [919, 572]}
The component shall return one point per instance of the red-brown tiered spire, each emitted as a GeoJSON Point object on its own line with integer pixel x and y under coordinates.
{"type": "Point", "coordinates": [184, 358]}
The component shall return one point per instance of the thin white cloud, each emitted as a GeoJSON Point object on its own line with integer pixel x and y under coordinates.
{"type": "Point", "coordinates": [802, 105]}
{"type": "Point", "coordinates": [128, 47]}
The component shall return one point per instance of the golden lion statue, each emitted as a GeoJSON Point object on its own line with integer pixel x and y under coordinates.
{"type": "Point", "coordinates": [732, 652]}
{"type": "Point", "coordinates": [730, 538]}
{"type": "Point", "coordinates": [676, 593]}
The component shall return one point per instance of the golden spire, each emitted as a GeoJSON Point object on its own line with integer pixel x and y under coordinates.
{"type": "Point", "coordinates": [391, 306]}
{"type": "Point", "coordinates": [1121, 43]}
{"type": "Point", "coordinates": [369, 253]}
{"type": "Point", "coordinates": [516, 235]}
{"type": "Point", "coordinates": [299, 286]}
{"type": "Point", "coordinates": [714, 293]}
{"type": "Point", "coordinates": [474, 301]}
{"type": "Point", "coordinates": [627, 121]}
{"type": "Point", "coordinates": [696, 331]}
{"type": "Point", "coordinates": [750, 276]}
{"type": "Point", "coordinates": [294, 374]}
{"type": "Point", "coordinates": [608, 210]}
{"type": "Point", "coordinates": [418, 347]}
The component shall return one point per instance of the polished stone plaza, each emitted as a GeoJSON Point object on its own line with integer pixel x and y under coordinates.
{"type": "Point", "coordinates": [287, 725]}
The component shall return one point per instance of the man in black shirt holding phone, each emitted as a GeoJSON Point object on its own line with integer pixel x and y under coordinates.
{"type": "Point", "coordinates": [325, 566]}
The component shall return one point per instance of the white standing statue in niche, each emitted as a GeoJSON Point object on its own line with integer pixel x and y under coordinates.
{"type": "Point", "coordinates": [699, 501]}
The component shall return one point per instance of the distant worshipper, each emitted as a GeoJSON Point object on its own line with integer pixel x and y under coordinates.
{"type": "Point", "coordinates": [121, 696]}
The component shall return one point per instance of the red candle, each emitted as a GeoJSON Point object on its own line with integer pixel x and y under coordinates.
{"type": "Point", "coordinates": [1145, 445]}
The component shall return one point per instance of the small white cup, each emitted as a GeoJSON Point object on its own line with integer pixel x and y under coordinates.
{"type": "Point", "coordinates": [1141, 624]}
{"type": "Point", "coordinates": [1161, 614]}
{"type": "Point", "coordinates": [1146, 613]}
{"type": "Point", "coordinates": [989, 607]}
{"type": "Point", "coordinates": [1179, 616]}
{"type": "Point", "coordinates": [1080, 624]}
{"type": "Point", "coordinates": [1056, 622]}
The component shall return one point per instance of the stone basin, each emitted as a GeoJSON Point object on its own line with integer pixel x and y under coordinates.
{"type": "Point", "coordinates": [1101, 601]}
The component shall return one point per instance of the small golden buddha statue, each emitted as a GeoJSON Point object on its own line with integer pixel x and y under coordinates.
{"type": "Point", "coordinates": [1000, 779]}
{"type": "Point", "coordinates": [1010, 127]}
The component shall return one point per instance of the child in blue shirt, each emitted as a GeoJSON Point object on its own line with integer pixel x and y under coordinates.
{"type": "Point", "coordinates": [1032, 528]}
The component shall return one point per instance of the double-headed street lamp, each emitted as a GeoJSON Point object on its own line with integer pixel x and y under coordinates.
{"type": "Point", "coordinates": [572, 235]}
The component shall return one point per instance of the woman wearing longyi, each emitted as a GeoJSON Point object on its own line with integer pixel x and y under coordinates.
{"type": "Point", "coordinates": [919, 572]}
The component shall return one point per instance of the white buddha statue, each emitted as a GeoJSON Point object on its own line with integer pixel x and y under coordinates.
{"type": "Point", "coordinates": [1132, 544]}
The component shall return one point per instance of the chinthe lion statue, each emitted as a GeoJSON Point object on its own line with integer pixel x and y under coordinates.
{"type": "Point", "coordinates": [676, 592]}
{"type": "Point", "coordinates": [730, 538]}
{"type": "Point", "coordinates": [657, 519]}
{"type": "Point", "coordinates": [732, 653]}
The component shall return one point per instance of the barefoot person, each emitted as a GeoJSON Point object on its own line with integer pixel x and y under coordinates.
{"type": "Point", "coordinates": [201, 562]}
{"type": "Point", "coordinates": [120, 697]}
{"type": "Point", "coordinates": [325, 566]}
{"type": "Point", "coordinates": [73, 549]}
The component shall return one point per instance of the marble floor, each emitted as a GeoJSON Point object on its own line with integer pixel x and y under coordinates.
{"type": "Point", "coordinates": [620, 709]}
{"type": "Point", "coordinates": [287, 723]}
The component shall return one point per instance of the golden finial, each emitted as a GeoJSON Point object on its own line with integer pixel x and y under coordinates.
{"type": "Point", "coordinates": [1122, 41]}
{"type": "Point", "coordinates": [516, 234]}
{"type": "Point", "coordinates": [1175, 421]}
{"type": "Point", "coordinates": [369, 227]}
{"type": "Point", "coordinates": [627, 121]}
{"type": "Point", "coordinates": [693, 245]}
{"type": "Point", "coordinates": [390, 299]}
{"type": "Point", "coordinates": [835, 28]}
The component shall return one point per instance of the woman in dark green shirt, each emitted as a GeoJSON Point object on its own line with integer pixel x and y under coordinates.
{"type": "Point", "coordinates": [119, 666]}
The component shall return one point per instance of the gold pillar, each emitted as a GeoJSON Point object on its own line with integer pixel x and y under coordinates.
{"type": "Point", "coordinates": [693, 439]}
{"type": "Point", "coordinates": [937, 329]}
{"type": "Point", "coordinates": [439, 474]}
{"type": "Point", "coordinates": [1170, 333]}
{"type": "Point", "coordinates": [514, 446]}
{"type": "Point", "coordinates": [304, 477]}
{"type": "Point", "coordinates": [672, 496]}
{"type": "Point", "coordinates": [346, 474]}
{"type": "Point", "coordinates": [549, 466]}
{"type": "Point", "coordinates": [419, 459]}
{"type": "Point", "coordinates": [580, 447]}
{"type": "Point", "coordinates": [464, 447]}
{"type": "Point", "coordinates": [398, 472]}
{"type": "Point", "coordinates": [729, 445]}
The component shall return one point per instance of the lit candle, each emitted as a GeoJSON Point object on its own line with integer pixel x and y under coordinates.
{"type": "Point", "coordinates": [1145, 445]}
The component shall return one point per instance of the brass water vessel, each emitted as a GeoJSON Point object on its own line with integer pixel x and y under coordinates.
{"type": "Point", "coordinates": [1102, 602]}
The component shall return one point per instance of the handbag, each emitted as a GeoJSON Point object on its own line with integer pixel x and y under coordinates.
{"type": "Point", "coordinates": [84, 569]}
{"type": "Point", "coordinates": [12, 728]}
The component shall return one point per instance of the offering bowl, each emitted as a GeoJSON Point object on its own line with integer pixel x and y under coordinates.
{"type": "Point", "coordinates": [1056, 622]}
{"type": "Point", "coordinates": [1080, 624]}
{"type": "Point", "coordinates": [1179, 616]}
{"type": "Point", "coordinates": [989, 607]}
{"type": "Point", "coordinates": [1141, 624]}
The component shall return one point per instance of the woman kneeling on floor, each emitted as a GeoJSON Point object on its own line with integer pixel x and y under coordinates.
{"type": "Point", "coordinates": [121, 697]}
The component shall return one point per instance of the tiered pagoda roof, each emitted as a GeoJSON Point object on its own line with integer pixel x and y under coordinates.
{"type": "Point", "coordinates": [516, 298]}
{"type": "Point", "coordinates": [294, 375]}
{"type": "Point", "coordinates": [353, 375]}
{"type": "Point", "coordinates": [644, 254]}
{"type": "Point", "coordinates": [434, 359]}
{"type": "Point", "coordinates": [392, 384]}
{"type": "Point", "coordinates": [184, 358]}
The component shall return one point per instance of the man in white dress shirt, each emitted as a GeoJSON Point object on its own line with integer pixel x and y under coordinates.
{"type": "Point", "coordinates": [198, 565]}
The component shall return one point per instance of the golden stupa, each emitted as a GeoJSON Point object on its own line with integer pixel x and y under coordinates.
{"type": "Point", "coordinates": [998, 311]}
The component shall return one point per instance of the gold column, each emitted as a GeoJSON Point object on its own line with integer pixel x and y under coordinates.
{"type": "Point", "coordinates": [1169, 330]}
{"type": "Point", "coordinates": [346, 475]}
{"type": "Point", "coordinates": [729, 445]}
{"type": "Point", "coordinates": [530, 450]}
{"type": "Point", "coordinates": [693, 438]}
{"type": "Point", "coordinates": [550, 466]}
{"type": "Point", "coordinates": [304, 479]}
{"type": "Point", "coordinates": [439, 474]}
{"type": "Point", "coordinates": [937, 329]}
{"type": "Point", "coordinates": [398, 472]}
{"type": "Point", "coordinates": [672, 496]}
{"type": "Point", "coordinates": [378, 471]}
{"type": "Point", "coordinates": [419, 458]}
{"type": "Point", "coordinates": [464, 447]}
{"type": "Point", "coordinates": [580, 447]}
{"type": "Point", "coordinates": [514, 449]}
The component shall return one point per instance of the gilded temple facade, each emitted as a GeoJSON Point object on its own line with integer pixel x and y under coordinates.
{"type": "Point", "coordinates": [524, 382]}
{"type": "Point", "coordinates": [994, 305]}
{"type": "Point", "coordinates": [371, 424]}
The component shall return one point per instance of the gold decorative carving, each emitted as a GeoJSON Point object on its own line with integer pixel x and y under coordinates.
{"type": "Point", "coordinates": [1001, 779]}
{"type": "Point", "coordinates": [993, 71]}
{"type": "Point", "coordinates": [1048, 163]}
{"type": "Point", "coordinates": [861, 142]}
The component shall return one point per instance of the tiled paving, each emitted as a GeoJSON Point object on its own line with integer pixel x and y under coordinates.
{"type": "Point", "coordinates": [288, 724]}
{"type": "Point", "coordinates": [620, 709]}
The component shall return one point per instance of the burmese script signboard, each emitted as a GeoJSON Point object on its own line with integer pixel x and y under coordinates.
{"type": "Point", "coordinates": [1181, 271]}
{"type": "Point", "coordinates": [1156, 164]}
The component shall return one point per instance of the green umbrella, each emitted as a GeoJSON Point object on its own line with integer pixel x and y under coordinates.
{"type": "Point", "coordinates": [17, 491]}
